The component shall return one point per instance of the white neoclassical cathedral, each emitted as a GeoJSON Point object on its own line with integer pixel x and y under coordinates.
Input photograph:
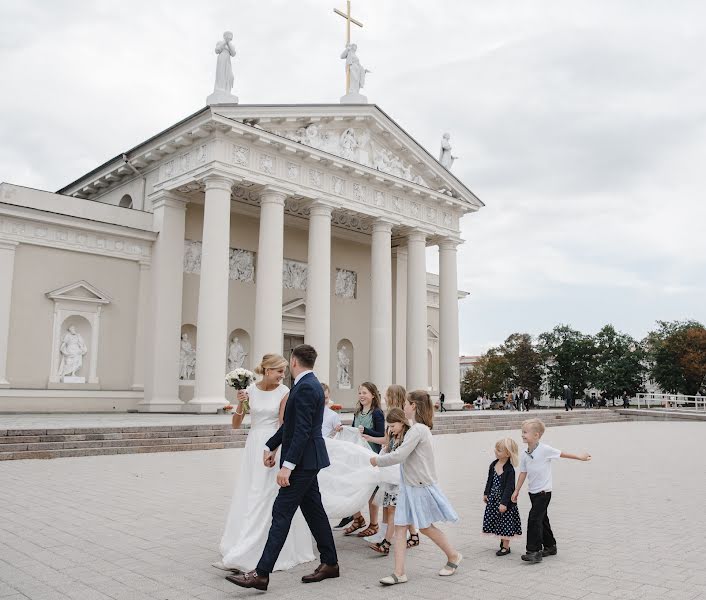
{"type": "Point", "coordinates": [240, 230]}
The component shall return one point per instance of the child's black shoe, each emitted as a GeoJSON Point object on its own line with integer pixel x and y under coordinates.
{"type": "Point", "coordinates": [549, 551]}
{"type": "Point", "coordinates": [503, 552]}
{"type": "Point", "coordinates": [532, 557]}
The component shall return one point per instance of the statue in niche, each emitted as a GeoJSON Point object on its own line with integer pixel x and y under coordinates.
{"type": "Point", "coordinates": [356, 70]}
{"type": "Point", "coordinates": [72, 351]}
{"type": "Point", "coordinates": [187, 358]}
{"type": "Point", "coordinates": [445, 157]}
{"type": "Point", "coordinates": [236, 355]}
{"type": "Point", "coordinates": [344, 366]}
{"type": "Point", "coordinates": [349, 145]}
{"type": "Point", "coordinates": [224, 69]}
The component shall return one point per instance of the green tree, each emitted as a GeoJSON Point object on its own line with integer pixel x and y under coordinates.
{"type": "Point", "coordinates": [567, 356]}
{"type": "Point", "coordinates": [491, 375]}
{"type": "Point", "coordinates": [619, 363]}
{"type": "Point", "coordinates": [525, 363]}
{"type": "Point", "coordinates": [677, 356]}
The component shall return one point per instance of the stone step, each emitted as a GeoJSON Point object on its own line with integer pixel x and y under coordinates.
{"type": "Point", "coordinates": [18, 444]}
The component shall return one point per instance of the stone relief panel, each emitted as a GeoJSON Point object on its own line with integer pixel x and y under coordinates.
{"type": "Point", "coordinates": [397, 204]}
{"type": "Point", "coordinates": [416, 210]}
{"type": "Point", "coordinates": [431, 214]}
{"type": "Point", "coordinates": [240, 155]}
{"type": "Point", "coordinates": [241, 262]}
{"type": "Point", "coordinates": [316, 178]}
{"type": "Point", "coordinates": [447, 220]}
{"type": "Point", "coordinates": [294, 274]}
{"type": "Point", "coordinates": [359, 192]}
{"type": "Point", "coordinates": [354, 144]}
{"type": "Point", "coordinates": [293, 171]}
{"type": "Point", "coordinates": [379, 198]}
{"type": "Point", "coordinates": [339, 186]}
{"type": "Point", "coordinates": [185, 162]}
{"type": "Point", "coordinates": [267, 164]}
{"type": "Point", "coordinates": [346, 283]}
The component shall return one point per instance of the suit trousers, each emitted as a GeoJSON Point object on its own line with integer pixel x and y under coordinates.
{"type": "Point", "coordinates": [539, 531]}
{"type": "Point", "coordinates": [302, 492]}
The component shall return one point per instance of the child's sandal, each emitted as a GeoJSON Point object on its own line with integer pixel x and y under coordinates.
{"type": "Point", "coordinates": [372, 529]}
{"type": "Point", "coordinates": [358, 523]}
{"type": "Point", "coordinates": [450, 568]}
{"type": "Point", "coordinates": [413, 540]}
{"type": "Point", "coordinates": [503, 552]}
{"type": "Point", "coordinates": [381, 547]}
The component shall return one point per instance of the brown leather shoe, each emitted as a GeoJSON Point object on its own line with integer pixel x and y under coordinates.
{"type": "Point", "coordinates": [322, 572]}
{"type": "Point", "coordinates": [250, 580]}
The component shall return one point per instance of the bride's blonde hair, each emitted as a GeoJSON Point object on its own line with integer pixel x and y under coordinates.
{"type": "Point", "coordinates": [271, 361]}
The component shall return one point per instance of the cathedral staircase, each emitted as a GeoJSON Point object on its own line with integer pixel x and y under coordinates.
{"type": "Point", "coordinates": [18, 444]}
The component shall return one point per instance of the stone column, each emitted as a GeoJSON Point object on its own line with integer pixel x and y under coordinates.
{"type": "Point", "coordinates": [212, 314]}
{"type": "Point", "coordinates": [381, 305]}
{"type": "Point", "coordinates": [416, 311]}
{"type": "Point", "coordinates": [268, 279]}
{"type": "Point", "coordinates": [162, 381]}
{"type": "Point", "coordinates": [449, 380]}
{"type": "Point", "coordinates": [318, 289]}
{"type": "Point", "coordinates": [7, 269]}
{"type": "Point", "coordinates": [399, 254]}
{"type": "Point", "coordinates": [143, 307]}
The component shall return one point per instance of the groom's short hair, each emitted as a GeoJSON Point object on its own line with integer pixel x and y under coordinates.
{"type": "Point", "coordinates": [305, 355]}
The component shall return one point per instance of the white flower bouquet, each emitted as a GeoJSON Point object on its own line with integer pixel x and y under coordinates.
{"type": "Point", "coordinates": [241, 379]}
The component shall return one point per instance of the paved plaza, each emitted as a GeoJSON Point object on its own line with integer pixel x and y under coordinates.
{"type": "Point", "coordinates": [146, 527]}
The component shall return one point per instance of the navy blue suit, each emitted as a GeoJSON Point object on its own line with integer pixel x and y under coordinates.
{"type": "Point", "coordinates": [304, 446]}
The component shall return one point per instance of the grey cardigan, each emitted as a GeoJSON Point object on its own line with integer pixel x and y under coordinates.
{"type": "Point", "coordinates": [417, 453]}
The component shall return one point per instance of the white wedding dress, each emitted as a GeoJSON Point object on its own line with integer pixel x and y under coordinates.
{"type": "Point", "coordinates": [256, 488]}
{"type": "Point", "coordinates": [346, 485]}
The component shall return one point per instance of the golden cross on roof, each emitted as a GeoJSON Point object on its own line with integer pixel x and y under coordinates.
{"type": "Point", "coordinates": [347, 16]}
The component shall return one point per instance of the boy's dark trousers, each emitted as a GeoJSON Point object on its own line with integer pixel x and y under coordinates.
{"type": "Point", "coordinates": [539, 531]}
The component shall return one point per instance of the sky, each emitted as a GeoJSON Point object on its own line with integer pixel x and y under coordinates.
{"type": "Point", "coordinates": [580, 124]}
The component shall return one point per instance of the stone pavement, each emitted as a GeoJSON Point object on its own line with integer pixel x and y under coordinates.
{"type": "Point", "coordinates": [629, 525]}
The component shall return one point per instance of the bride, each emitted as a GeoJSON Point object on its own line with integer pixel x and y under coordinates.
{"type": "Point", "coordinates": [345, 485]}
{"type": "Point", "coordinates": [250, 514]}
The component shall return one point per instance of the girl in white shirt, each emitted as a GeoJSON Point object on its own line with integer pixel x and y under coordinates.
{"type": "Point", "coordinates": [420, 501]}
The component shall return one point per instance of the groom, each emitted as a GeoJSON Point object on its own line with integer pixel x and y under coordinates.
{"type": "Point", "coordinates": [303, 456]}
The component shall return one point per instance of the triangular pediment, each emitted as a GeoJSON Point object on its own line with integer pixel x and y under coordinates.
{"type": "Point", "coordinates": [361, 134]}
{"type": "Point", "coordinates": [80, 291]}
{"type": "Point", "coordinates": [295, 309]}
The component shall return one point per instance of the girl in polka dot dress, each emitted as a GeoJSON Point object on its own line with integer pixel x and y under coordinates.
{"type": "Point", "coordinates": [501, 518]}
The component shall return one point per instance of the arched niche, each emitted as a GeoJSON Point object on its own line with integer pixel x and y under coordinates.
{"type": "Point", "coordinates": [345, 364]}
{"type": "Point", "coordinates": [125, 201]}
{"type": "Point", "coordinates": [77, 306]}
{"type": "Point", "coordinates": [239, 353]}
{"type": "Point", "coordinates": [187, 352]}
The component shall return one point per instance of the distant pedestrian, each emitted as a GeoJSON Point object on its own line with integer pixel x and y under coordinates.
{"type": "Point", "coordinates": [527, 400]}
{"type": "Point", "coordinates": [568, 398]}
{"type": "Point", "coordinates": [626, 400]}
{"type": "Point", "coordinates": [441, 402]}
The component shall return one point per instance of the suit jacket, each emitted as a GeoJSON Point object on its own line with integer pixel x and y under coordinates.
{"type": "Point", "coordinates": [300, 433]}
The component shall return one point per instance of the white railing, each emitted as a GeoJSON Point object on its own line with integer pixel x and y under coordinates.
{"type": "Point", "coordinates": [670, 401]}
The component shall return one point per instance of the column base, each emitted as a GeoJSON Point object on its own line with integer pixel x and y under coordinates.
{"type": "Point", "coordinates": [204, 405]}
{"type": "Point", "coordinates": [454, 404]}
{"type": "Point", "coordinates": [137, 387]}
{"type": "Point", "coordinates": [166, 405]}
{"type": "Point", "coordinates": [4, 384]}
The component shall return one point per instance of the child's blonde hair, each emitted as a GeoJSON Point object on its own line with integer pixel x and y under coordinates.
{"type": "Point", "coordinates": [535, 425]}
{"type": "Point", "coordinates": [395, 396]}
{"type": "Point", "coordinates": [510, 446]}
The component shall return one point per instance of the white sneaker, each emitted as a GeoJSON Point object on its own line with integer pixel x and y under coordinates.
{"type": "Point", "coordinates": [376, 538]}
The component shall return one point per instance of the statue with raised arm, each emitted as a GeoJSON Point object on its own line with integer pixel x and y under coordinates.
{"type": "Point", "coordinates": [223, 88]}
{"type": "Point", "coordinates": [236, 355]}
{"type": "Point", "coordinates": [445, 157]}
{"type": "Point", "coordinates": [356, 74]}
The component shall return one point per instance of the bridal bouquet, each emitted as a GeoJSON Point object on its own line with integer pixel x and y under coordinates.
{"type": "Point", "coordinates": [240, 379]}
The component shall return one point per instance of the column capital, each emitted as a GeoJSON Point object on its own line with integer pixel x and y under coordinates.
{"type": "Point", "coordinates": [416, 236]}
{"type": "Point", "coordinates": [273, 195]}
{"type": "Point", "coordinates": [449, 243]}
{"type": "Point", "coordinates": [381, 226]}
{"type": "Point", "coordinates": [219, 182]}
{"type": "Point", "coordinates": [8, 245]}
{"type": "Point", "coordinates": [167, 198]}
{"type": "Point", "coordinates": [319, 208]}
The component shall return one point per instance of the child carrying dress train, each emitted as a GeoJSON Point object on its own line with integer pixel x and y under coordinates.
{"type": "Point", "coordinates": [420, 501]}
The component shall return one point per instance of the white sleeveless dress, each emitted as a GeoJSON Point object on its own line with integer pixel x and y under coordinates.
{"type": "Point", "coordinates": [256, 488]}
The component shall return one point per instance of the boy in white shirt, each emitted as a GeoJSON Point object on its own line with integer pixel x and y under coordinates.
{"type": "Point", "coordinates": [332, 420]}
{"type": "Point", "coordinates": [536, 467]}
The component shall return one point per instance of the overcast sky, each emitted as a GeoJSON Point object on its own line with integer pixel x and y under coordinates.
{"type": "Point", "coordinates": [580, 124]}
